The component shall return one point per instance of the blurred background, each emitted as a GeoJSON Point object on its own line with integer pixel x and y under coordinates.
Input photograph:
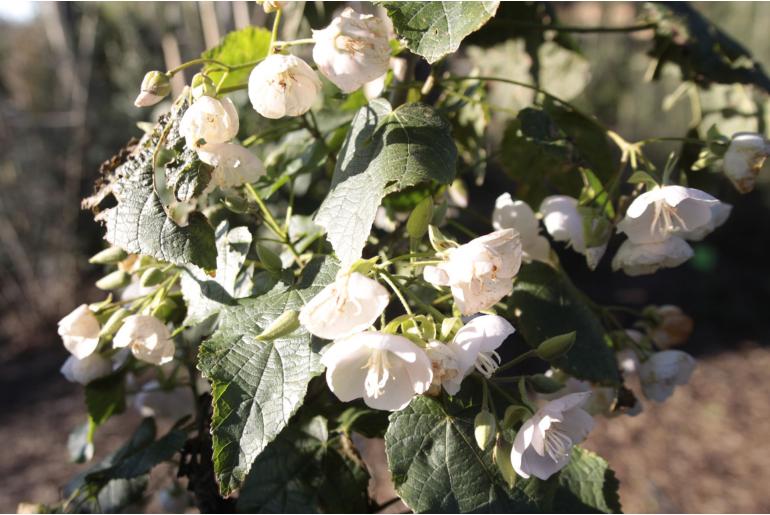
{"type": "Point", "coordinates": [68, 75]}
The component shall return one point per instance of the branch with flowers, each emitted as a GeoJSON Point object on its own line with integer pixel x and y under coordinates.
{"type": "Point", "coordinates": [282, 287]}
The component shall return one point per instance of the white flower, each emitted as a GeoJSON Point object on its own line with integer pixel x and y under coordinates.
{"type": "Point", "coordinates": [668, 211]}
{"type": "Point", "coordinates": [719, 214]}
{"type": "Point", "coordinates": [744, 159]}
{"type": "Point", "coordinates": [209, 120]}
{"type": "Point", "coordinates": [233, 164]}
{"type": "Point", "coordinates": [352, 50]}
{"type": "Point", "coordinates": [563, 221]}
{"type": "Point", "coordinates": [85, 370]}
{"type": "Point", "coordinates": [674, 329]}
{"type": "Point", "coordinates": [386, 370]}
{"type": "Point", "coordinates": [599, 403]}
{"type": "Point", "coordinates": [80, 332]}
{"type": "Point", "coordinates": [474, 346]}
{"type": "Point", "coordinates": [283, 85]}
{"type": "Point", "coordinates": [480, 272]}
{"type": "Point", "coordinates": [646, 258]}
{"type": "Point", "coordinates": [516, 214]}
{"type": "Point", "coordinates": [663, 371]}
{"type": "Point", "coordinates": [347, 306]}
{"type": "Point", "coordinates": [543, 445]}
{"type": "Point", "coordinates": [147, 337]}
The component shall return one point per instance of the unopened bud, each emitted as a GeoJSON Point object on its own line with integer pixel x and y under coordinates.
{"type": "Point", "coordinates": [113, 323]}
{"type": "Point", "coordinates": [438, 241]}
{"type": "Point", "coordinates": [513, 415]}
{"type": "Point", "coordinates": [283, 325]}
{"type": "Point", "coordinates": [155, 86]}
{"type": "Point", "coordinates": [484, 429]}
{"type": "Point", "coordinates": [502, 457]}
{"type": "Point", "coordinates": [270, 6]}
{"type": "Point", "coordinates": [419, 219]}
{"type": "Point", "coordinates": [164, 309]}
{"type": "Point", "coordinates": [202, 85]}
{"type": "Point", "coordinates": [114, 280]}
{"type": "Point", "coordinates": [269, 259]}
{"type": "Point", "coordinates": [236, 204]}
{"type": "Point", "coordinates": [108, 256]}
{"type": "Point", "coordinates": [556, 346]}
{"type": "Point", "coordinates": [674, 328]}
{"type": "Point", "coordinates": [151, 277]}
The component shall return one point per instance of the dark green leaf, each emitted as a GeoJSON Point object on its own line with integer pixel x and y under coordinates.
{"type": "Point", "coordinates": [548, 304]}
{"type": "Point", "coordinates": [438, 468]}
{"type": "Point", "coordinates": [139, 224]}
{"type": "Point", "coordinates": [106, 397]}
{"type": "Point", "coordinates": [302, 472]}
{"type": "Point", "coordinates": [258, 385]}
{"type": "Point", "coordinates": [385, 151]}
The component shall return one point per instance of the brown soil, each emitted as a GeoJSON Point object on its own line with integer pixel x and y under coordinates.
{"type": "Point", "coordinates": [705, 450]}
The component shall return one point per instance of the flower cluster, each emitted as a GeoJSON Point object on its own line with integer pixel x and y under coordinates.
{"type": "Point", "coordinates": [352, 51]}
{"type": "Point", "coordinates": [659, 221]}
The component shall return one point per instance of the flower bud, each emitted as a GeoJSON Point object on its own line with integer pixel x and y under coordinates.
{"type": "Point", "coordinates": [281, 326]}
{"type": "Point", "coordinates": [438, 241]}
{"type": "Point", "coordinates": [114, 322]}
{"type": "Point", "coordinates": [674, 329]}
{"type": "Point", "coordinates": [419, 219]}
{"type": "Point", "coordinates": [283, 85]}
{"type": "Point", "coordinates": [513, 415]}
{"type": "Point", "coordinates": [151, 277]}
{"type": "Point", "coordinates": [484, 429]}
{"type": "Point", "coordinates": [114, 280]}
{"type": "Point", "coordinates": [269, 259]}
{"type": "Point", "coordinates": [202, 85]}
{"type": "Point", "coordinates": [502, 457]}
{"type": "Point", "coordinates": [556, 346]}
{"type": "Point", "coordinates": [108, 256]}
{"type": "Point", "coordinates": [155, 86]}
{"type": "Point", "coordinates": [270, 6]}
{"type": "Point", "coordinates": [164, 309]}
{"type": "Point", "coordinates": [744, 159]}
{"type": "Point", "coordinates": [353, 50]}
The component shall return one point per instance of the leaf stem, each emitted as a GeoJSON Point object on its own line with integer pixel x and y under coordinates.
{"type": "Point", "coordinates": [195, 62]}
{"type": "Point", "coordinates": [518, 359]}
{"type": "Point", "coordinates": [391, 282]}
{"type": "Point", "coordinates": [272, 224]}
{"type": "Point", "coordinates": [276, 24]}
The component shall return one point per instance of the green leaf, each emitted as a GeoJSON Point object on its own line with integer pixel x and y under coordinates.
{"type": "Point", "coordinates": [237, 48]}
{"type": "Point", "coordinates": [587, 485]}
{"type": "Point", "coordinates": [106, 397]}
{"type": "Point", "coordinates": [258, 385]}
{"type": "Point", "coordinates": [205, 295]}
{"type": "Point", "coordinates": [302, 471]}
{"type": "Point", "coordinates": [187, 176]}
{"type": "Point", "coordinates": [548, 304]}
{"type": "Point", "coordinates": [137, 461]}
{"type": "Point", "coordinates": [386, 150]}
{"type": "Point", "coordinates": [100, 494]}
{"type": "Point", "coordinates": [139, 224]}
{"type": "Point", "coordinates": [438, 468]}
{"type": "Point", "coordinates": [435, 29]}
